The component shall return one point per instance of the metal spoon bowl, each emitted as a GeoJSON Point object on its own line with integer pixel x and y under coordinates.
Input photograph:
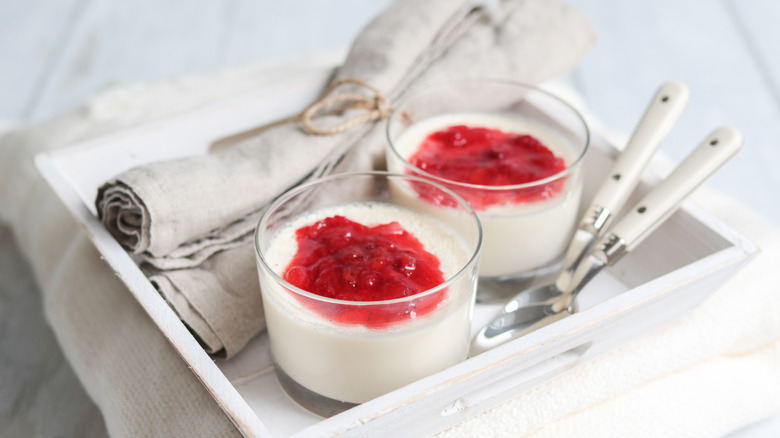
{"type": "Point", "coordinates": [534, 295]}
{"type": "Point", "coordinates": [520, 322]}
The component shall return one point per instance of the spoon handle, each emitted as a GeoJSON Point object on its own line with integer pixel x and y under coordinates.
{"type": "Point", "coordinates": [713, 152]}
{"type": "Point", "coordinates": [663, 111]}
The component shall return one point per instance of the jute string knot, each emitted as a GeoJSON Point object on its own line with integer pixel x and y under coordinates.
{"type": "Point", "coordinates": [376, 105]}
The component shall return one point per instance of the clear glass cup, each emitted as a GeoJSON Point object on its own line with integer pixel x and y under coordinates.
{"type": "Point", "coordinates": [527, 226]}
{"type": "Point", "coordinates": [331, 354]}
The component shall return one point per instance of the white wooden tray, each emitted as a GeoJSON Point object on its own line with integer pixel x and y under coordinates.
{"type": "Point", "coordinates": [669, 274]}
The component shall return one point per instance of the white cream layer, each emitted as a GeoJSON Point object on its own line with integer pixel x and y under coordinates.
{"type": "Point", "coordinates": [353, 363]}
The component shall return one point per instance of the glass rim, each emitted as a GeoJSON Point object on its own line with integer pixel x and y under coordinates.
{"type": "Point", "coordinates": [539, 182]}
{"type": "Point", "coordinates": [301, 188]}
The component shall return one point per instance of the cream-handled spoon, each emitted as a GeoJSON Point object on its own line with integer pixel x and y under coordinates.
{"type": "Point", "coordinates": [661, 114]}
{"type": "Point", "coordinates": [713, 152]}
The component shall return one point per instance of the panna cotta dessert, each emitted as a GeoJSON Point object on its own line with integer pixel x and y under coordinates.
{"type": "Point", "coordinates": [519, 172]}
{"type": "Point", "coordinates": [362, 297]}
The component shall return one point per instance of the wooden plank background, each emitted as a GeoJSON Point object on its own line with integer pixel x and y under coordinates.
{"type": "Point", "coordinates": [55, 53]}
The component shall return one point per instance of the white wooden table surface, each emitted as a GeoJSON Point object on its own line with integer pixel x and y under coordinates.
{"type": "Point", "coordinates": [55, 53]}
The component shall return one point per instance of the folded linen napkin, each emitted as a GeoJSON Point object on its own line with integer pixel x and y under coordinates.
{"type": "Point", "coordinates": [177, 214]}
{"type": "Point", "coordinates": [200, 202]}
{"type": "Point", "coordinates": [712, 372]}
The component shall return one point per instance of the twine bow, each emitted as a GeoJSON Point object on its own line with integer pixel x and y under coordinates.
{"type": "Point", "coordinates": [377, 107]}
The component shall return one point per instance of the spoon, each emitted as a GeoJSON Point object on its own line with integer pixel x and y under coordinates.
{"type": "Point", "coordinates": [711, 154]}
{"type": "Point", "coordinates": [663, 111]}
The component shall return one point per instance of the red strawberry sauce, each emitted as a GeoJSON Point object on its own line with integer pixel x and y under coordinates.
{"type": "Point", "coordinates": [342, 259]}
{"type": "Point", "coordinates": [488, 157]}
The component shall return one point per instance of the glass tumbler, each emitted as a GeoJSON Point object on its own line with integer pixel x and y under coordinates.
{"type": "Point", "coordinates": [333, 351]}
{"type": "Point", "coordinates": [479, 138]}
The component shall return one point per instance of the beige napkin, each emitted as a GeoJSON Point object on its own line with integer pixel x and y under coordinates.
{"type": "Point", "coordinates": [712, 372]}
{"type": "Point", "coordinates": [177, 214]}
